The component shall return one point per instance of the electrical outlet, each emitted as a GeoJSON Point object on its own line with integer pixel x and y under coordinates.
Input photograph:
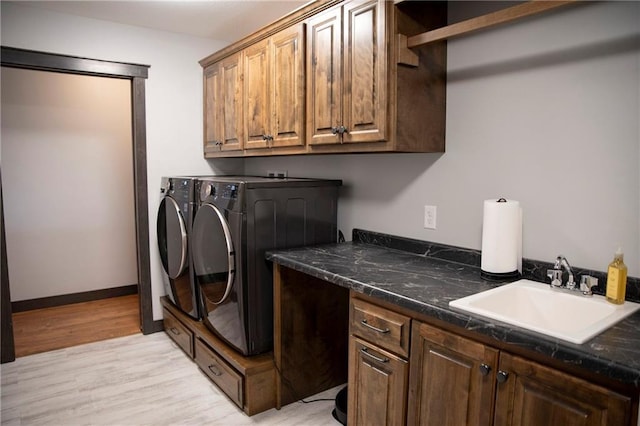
{"type": "Point", "coordinates": [278, 174]}
{"type": "Point", "coordinates": [430, 217]}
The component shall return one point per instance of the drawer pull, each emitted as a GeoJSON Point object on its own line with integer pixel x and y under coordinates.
{"type": "Point", "coordinates": [214, 370]}
{"type": "Point", "coordinates": [379, 330]}
{"type": "Point", "coordinates": [175, 331]}
{"type": "Point", "coordinates": [365, 352]}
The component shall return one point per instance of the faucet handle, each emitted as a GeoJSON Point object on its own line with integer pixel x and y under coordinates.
{"type": "Point", "coordinates": [587, 282]}
{"type": "Point", "coordinates": [556, 277]}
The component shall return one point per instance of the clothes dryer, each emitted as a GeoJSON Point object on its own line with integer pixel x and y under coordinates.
{"type": "Point", "coordinates": [174, 222]}
{"type": "Point", "coordinates": [238, 219]}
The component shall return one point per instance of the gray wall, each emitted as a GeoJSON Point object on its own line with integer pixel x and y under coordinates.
{"type": "Point", "coordinates": [67, 181]}
{"type": "Point", "coordinates": [544, 111]}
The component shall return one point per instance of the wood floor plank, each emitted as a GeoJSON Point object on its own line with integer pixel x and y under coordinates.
{"type": "Point", "coordinates": [132, 380]}
{"type": "Point", "coordinates": [47, 329]}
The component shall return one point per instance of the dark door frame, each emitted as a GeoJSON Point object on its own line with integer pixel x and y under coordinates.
{"type": "Point", "coordinates": [137, 74]}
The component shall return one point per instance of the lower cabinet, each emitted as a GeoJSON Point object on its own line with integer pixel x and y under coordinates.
{"type": "Point", "coordinates": [532, 394]}
{"type": "Point", "coordinates": [457, 381]}
{"type": "Point", "coordinates": [450, 380]}
{"type": "Point", "coordinates": [378, 365]}
{"type": "Point", "coordinates": [378, 384]}
{"type": "Point", "coordinates": [249, 382]}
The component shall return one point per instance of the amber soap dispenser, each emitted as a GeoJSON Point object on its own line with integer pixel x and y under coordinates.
{"type": "Point", "coordinates": [617, 279]}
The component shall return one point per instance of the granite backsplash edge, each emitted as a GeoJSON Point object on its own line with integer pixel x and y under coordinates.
{"type": "Point", "coordinates": [531, 269]}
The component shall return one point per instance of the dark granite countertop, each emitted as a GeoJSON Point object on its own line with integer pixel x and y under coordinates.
{"type": "Point", "coordinates": [424, 277]}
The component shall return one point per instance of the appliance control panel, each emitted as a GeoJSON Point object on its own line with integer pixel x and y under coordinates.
{"type": "Point", "coordinates": [223, 194]}
{"type": "Point", "coordinates": [229, 191]}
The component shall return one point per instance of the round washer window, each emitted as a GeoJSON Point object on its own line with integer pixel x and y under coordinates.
{"type": "Point", "coordinates": [172, 238]}
{"type": "Point", "coordinates": [213, 255]}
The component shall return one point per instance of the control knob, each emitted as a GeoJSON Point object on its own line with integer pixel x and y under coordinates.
{"type": "Point", "coordinates": [206, 190]}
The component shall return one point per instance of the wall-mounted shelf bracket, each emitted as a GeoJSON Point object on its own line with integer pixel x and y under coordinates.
{"type": "Point", "coordinates": [406, 56]}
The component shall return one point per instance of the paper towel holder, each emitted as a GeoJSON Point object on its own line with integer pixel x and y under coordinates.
{"type": "Point", "coordinates": [488, 275]}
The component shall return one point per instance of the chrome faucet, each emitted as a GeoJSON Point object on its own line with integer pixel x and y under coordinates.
{"type": "Point", "coordinates": [587, 282]}
{"type": "Point", "coordinates": [564, 263]}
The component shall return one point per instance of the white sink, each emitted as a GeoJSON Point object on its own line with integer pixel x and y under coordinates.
{"type": "Point", "coordinates": [535, 306]}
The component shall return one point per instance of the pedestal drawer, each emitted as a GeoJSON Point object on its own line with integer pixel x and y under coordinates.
{"type": "Point", "coordinates": [178, 332]}
{"type": "Point", "coordinates": [221, 373]}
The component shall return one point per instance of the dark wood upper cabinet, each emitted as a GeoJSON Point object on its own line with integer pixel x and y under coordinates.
{"type": "Point", "coordinates": [223, 111]}
{"type": "Point", "coordinates": [274, 95]}
{"type": "Point", "coordinates": [347, 68]}
{"type": "Point", "coordinates": [332, 77]}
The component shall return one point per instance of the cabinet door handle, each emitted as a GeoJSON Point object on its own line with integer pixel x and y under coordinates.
{"type": "Point", "coordinates": [215, 370]}
{"type": "Point", "coordinates": [175, 331]}
{"type": "Point", "coordinates": [485, 369]}
{"type": "Point", "coordinates": [502, 376]}
{"type": "Point", "coordinates": [365, 352]}
{"type": "Point", "coordinates": [339, 130]}
{"type": "Point", "coordinates": [379, 330]}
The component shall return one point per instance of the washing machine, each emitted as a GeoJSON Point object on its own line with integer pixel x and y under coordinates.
{"type": "Point", "coordinates": [174, 222]}
{"type": "Point", "coordinates": [238, 219]}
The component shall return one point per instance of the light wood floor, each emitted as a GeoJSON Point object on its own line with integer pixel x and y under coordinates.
{"type": "Point", "coordinates": [42, 330]}
{"type": "Point", "coordinates": [133, 380]}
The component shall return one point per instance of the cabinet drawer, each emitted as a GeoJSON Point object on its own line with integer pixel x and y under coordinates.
{"type": "Point", "coordinates": [178, 332]}
{"type": "Point", "coordinates": [380, 326]}
{"type": "Point", "coordinates": [222, 374]}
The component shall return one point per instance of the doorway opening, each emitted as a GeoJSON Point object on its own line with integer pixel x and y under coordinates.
{"type": "Point", "coordinates": [135, 76]}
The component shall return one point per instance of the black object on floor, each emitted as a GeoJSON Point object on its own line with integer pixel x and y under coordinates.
{"type": "Point", "coordinates": [340, 412]}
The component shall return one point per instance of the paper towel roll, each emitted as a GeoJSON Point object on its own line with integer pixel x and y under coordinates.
{"type": "Point", "coordinates": [501, 239]}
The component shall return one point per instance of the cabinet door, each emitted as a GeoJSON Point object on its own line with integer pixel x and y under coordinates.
{"type": "Point", "coordinates": [452, 379]}
{"type": "Point", "coordinates": [231, 105]}
{"type": "Point", "coordinates": [365, 71]}
{"type": "Point", "coordinates": [324, 77]}
{"type": "Point", "coordinates": [257, 88]}
{"type": "Point", "coordinates": [212, 109]}
{"type": "Point", "coordinates": [535, 395]}
{"type": "Point", "coordinates": [223, 127]}
{"type": "Point", "coordinates": [377, 386]}
{"type": "Point", "coordinates": [287, 97]}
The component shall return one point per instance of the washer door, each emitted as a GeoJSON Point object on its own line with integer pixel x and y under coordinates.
{"type": "Point", "coordinates": [172, 238]}
{"type": "Point", "coordinates": [213, 255]}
